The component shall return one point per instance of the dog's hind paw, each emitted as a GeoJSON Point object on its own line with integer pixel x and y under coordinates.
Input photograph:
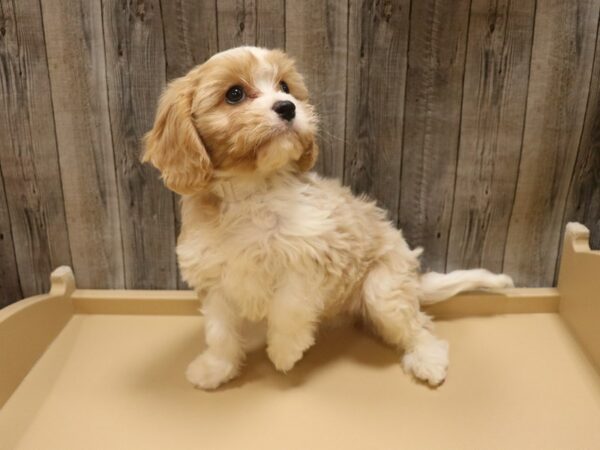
{"type": "Point", "coordinates": [428, 361]}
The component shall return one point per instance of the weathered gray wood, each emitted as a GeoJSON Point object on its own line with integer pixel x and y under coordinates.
{"type": "Point", "coordinates": [584, 197]}
{"type": "Point", "coordinates": [483, 173]}
{"type": "Point", "coordinates": [134, 46]}
{"type": "Point", "coordinates": [584, 204]}
{"type": "Point", "coordinates": [270, 23]}
{"type": "Point", "coordinates": [28, 156]}
{"type": "Point", "coordinates": [493, 114]}
{"type": "Point", "coordinates": [434, 87]}
{"type": "Point", "coordinates": [10, 289]}
{"type": "Point", "coordinates": [563, 48]}
{"type": "Point", "coordinates": [236, 23]}
{"type": "Point", "coordinates": [77, 74]}
{"type": "Point", "coordinates": [190, 29]}
{"type": "Point", "coordinates": [316, 36]}
{"type": "Point", "coordinates": [583, 201]}
{"type": "Point", "coordinates": [377, 61]}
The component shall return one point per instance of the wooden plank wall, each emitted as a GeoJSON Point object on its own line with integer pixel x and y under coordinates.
{"type": "Point", "coordinates": [476, 123]}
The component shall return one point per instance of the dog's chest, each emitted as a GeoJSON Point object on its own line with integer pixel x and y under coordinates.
{"type": "Point", "coordinates": [256, 252]}
{"type": "Point", "coordinates": [284, 221]}
{"type": "Point", "coordinates": [256, 244]}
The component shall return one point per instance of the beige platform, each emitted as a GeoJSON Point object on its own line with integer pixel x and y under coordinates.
{"type": "Point", "coordinates": [83, 369]}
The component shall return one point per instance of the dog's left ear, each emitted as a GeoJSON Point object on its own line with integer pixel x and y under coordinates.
{"type": "Point", "coordinates": [173, 145]}
{"type": "Point", "coordinates": [309, 157]}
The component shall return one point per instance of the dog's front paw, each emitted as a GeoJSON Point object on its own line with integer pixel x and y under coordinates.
{"type": "Point", "coordinates": [284, 359]}
{"type": "Point", "coordinates": [428, 361]}
{"type": "Point", "coordinates": [285, 350]}
{"type": "Point", "coordinates": [209, 371]}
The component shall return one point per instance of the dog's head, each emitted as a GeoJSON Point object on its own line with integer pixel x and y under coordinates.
{"type": "Point", "coordinates": [244, 110]}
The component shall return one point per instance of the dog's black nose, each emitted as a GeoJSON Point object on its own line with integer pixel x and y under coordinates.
{"type": "Point", "coordinates": [285, 109]}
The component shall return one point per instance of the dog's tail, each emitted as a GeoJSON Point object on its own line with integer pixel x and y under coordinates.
{"type": "Point", "coordinates": [436, 287]}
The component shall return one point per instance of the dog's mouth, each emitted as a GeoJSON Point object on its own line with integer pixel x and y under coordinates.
{"type": "Point", "coordinates": [284, 127]}
{"type": "Point", "coordinates": [278, 131]}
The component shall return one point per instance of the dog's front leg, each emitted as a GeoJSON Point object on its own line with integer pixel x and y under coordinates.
{"type": "Point", "coordinates": [292, 322]}
{"type": "Point", "coordinates": [221, 360]}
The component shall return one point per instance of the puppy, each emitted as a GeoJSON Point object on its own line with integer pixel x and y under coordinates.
{"type": "Point", "coordinates": [271, 248]}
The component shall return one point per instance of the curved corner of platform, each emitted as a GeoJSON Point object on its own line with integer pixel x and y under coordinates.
{"type": "Point", "coordinates": [62, 281]}
{"type": "Point", "coordinates": [33, 323]}
{"type": "Point", "coordinates": [579, 287]}
{"type": "Point", "coordinates": [577, 238]}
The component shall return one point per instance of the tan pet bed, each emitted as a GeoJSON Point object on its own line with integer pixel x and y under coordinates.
{"type": "Point", "coordinates": [92, 369]}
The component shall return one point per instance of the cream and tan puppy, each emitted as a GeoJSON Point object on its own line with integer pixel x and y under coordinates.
{"type": "Point", "coordinates": [272, 249]}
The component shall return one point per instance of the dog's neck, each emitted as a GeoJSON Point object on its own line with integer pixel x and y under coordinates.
{"type": "Point", "coordinates": [240, 188]}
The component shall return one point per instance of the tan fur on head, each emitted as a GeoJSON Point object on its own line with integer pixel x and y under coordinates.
{"type": "Point", "coordinates": [199, 136]}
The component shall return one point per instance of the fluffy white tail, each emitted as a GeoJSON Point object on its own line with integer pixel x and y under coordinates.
{"type": "Point", "coordinates": [436, 287]}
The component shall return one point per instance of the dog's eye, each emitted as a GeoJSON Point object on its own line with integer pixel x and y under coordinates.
{"type": "Point", "coordinates": [284, 87]}
{"type": "Point", "coordinates": [235, 94]}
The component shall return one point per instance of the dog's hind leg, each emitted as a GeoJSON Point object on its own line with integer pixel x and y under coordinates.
{"type": "Point", "coordinates": [391, 305]}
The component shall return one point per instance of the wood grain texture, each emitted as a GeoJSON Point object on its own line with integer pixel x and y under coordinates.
{"type": "Point", "coordinates": [134, 46]}
{"type": "Point", "coordinates": [493, 114]}
{"type": "Point", "coordinates": [190, 33]}
{"type": "Point", "coordinates": [236, 23]}
{"type": "Point", "coordinates": [434, 87]}
{"type": "Point", "coordinates": [10, 288]}
{"type": "Point", "coordinates": [563, 48]}
{"type": "Point", "coordinates": [77, 74]}
{"type": "Point", "coordinates": [28, 153]}
{"type": "Point", "coordinates": [316, 36]}
{"type": "Point", "coordinates": [270, 23]}
{"type": "Point", "coordinates": [583, 204]}
{"type": "Point", "coordinates": [583, 201]}
{"type": "Point", "coordinates": [377, 60]}
{"type": "Point", "coordinates": [476, 123]}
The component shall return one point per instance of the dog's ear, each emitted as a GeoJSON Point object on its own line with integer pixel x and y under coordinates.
{"type": "Point", "coordinates": [309, 157]}
{"type": "Point", "coordinates": [173, 145]}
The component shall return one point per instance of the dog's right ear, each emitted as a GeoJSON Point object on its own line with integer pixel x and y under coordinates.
{"type": "Point", "coordinates": [173, 145]}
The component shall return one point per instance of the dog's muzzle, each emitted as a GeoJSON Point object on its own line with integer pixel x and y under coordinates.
{"type": "Point", "coordinates": [285, 109]}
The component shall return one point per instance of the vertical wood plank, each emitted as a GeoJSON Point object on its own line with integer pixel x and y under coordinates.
{"type": "Point", "coordinates": [583, 201]}
{"type": "Point", "coordinates": [434, 86]}
{"type": "Point", "coordinates": [494, 102]}
{"type": "Point", "coordinates": [10, 289]}
{"type": "Point", "coordinates": [583, 204]}
{"type": "Point", "coordinates": [270, 23]}
{"type": "Point", "coordinates": [377, 61]}
{"type": "Point", "coordinates": [190, 29]}
{"type": "Point", "coordinates": [134, 45]}
{"type": "Point", "coordinates": [563, 49]}
{"type": "Point", "coordinates": [316, 36]}
{"type": "Point", "coordinates": [236, 23]}
{"type": "Point", "coordinates": [28, 152]}
{"type": "Point", "coordinates": [74, 45]}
